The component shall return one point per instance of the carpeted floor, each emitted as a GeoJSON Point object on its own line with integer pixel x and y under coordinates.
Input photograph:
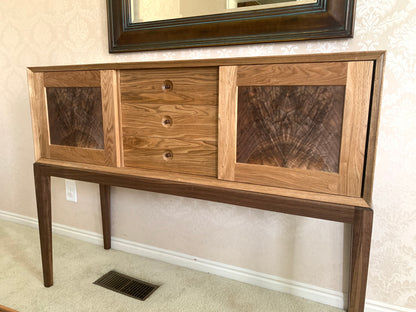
{"type": "Point", "coordinates": [79, 264]}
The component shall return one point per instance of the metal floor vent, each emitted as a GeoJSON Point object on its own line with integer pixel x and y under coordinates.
{"type": "Point", "coordinates": [126, 285]}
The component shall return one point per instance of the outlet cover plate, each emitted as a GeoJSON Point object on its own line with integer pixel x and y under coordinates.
{"type": "Point", "coordinates": [71, 190]}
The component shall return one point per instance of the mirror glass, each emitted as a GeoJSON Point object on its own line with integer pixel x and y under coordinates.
{"type": "Point", "coordinates": [155, 10]}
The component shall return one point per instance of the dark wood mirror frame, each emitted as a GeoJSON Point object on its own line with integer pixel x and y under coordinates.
{"type": "Point", "coordinates": [321, 20]}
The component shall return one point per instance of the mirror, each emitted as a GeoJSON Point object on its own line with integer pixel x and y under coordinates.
{"type": "Point", "coordinates": [155, 10]}
{"type": "Point", "coordinates": [138, 25]}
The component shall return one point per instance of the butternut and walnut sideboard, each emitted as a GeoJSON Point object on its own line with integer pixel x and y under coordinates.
{"type": "Point", "coordinates": [291, 134]}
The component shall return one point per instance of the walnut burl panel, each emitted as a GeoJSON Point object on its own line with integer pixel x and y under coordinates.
{"type": "Point", "coordinates": [290, 126]}
{"type": "Point", "coordinates": [75, 117]}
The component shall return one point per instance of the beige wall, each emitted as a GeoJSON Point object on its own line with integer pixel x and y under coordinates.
{"type": "Point", "coordinates": [193, 8]}
{"type": "Point", "coordinates": [152, 10]}
{"type": "Point", "coordinates": [47, 32]}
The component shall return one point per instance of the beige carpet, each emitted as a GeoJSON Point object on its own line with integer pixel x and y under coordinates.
{"type": "Point", "coordinates": [79, 264]}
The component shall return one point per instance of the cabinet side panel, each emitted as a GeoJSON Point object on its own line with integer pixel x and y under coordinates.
{"type": "Point", "coordinates": [357, 102]}
{"type": "Point", "coordinates": [373, 128]}
{"type": "Point", "coordinates": [38, 111]}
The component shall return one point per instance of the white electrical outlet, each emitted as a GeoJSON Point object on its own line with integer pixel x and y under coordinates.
{"type": "Point", "coordinates": [71, 190]}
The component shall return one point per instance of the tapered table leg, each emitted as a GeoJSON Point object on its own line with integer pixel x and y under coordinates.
{"type": "Point", "coordinates": [43, 202]}
{"type": "Point", "coordinates": [361, 241]}
{"type": "Point", "coordinates": [106, 214]}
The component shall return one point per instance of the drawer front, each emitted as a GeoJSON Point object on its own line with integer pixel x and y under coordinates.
{"type": "Point", "coordinates": [194, 157]}
{"type": "Point", "coordinates": [169, 119]}
{"type": "Point", "coordinates": [197, 86]}
{"type": "Point", "coordinates": [186, 122]}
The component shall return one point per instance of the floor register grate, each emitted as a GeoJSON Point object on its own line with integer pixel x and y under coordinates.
{"type": "Point", "coordinates": [126, 285]}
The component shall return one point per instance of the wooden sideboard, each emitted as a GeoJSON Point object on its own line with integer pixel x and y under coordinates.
{"type": "Point", "coordinates": [291, 134]}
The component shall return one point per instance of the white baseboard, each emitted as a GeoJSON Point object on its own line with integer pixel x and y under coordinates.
{"type": "Point", "coordinates": [310, 292]}
{"type": "Point", "coordinates": [376, 306]}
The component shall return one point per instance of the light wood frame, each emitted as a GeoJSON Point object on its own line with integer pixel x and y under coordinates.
{"type": "Point", "coordinates": [108, 82]}
{"type": "Point", "coordinates": [357, 78]}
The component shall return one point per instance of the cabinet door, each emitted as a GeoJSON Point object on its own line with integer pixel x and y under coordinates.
{"type": "Point", "coordinates": [75, 116]}
{"type": "Point", "coordinates": [298, 126]}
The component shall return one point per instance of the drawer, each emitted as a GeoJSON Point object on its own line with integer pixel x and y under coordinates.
{"type": "Point", "coordinates": [187, 122]}
{"type": "Point", "coordinates": [197, 86]}
{"type": "Point", "coordinates": [194, 157]}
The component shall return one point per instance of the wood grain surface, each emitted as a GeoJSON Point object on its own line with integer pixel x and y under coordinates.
{"type": "Point", "coordinates": [218, 192]}
{"type": "Point", "coordinates": [328, 73]}
{"type": "Point", "coordinates": [360, 257]}
{"type": "Point", "coordinates": [41, 135]}
{"type": "Point", "coordinates": [307, 180]}
{"type": "Point", "coordinates": [197, 86]}
{"type": "Point", "coordinates": [190, 64]}
{"type": "Point", "coordinates": [187, 122]}
{"type": "Point", "coordinates": [353, 144]}
{"type": "Point", "coordinates": [111, 117]}
{"type": "Point", "coordinates": [69, 112]}
{"type": "Point", "coordinates": [212, 181]}
{"type": "Point", "coordinates": [194, 157]}
{"type": "Point", "coordinates": [43, 206]}
{"type": "Point", "coordinates": [77, 154]}
{"type": "Point", "coordinates": [290, 126]}
{"type": "Point", "coordinates": [338, 131]}
{"type": "Point", "coordinates": [83, 78]}
{"type": "Point", "coordinates": [75, 117]}
{"type": "Point", "coordinates": [39, 115]}
{"type": "Point", "coordinates": [105, 201]}
{"type": "Point", "coordinates": [373, 128]}
{"type": "Point", "coordinates": [227, 129]}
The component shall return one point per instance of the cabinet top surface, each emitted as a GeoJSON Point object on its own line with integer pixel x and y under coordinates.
{"type": "Point", "coordinates": [332, 57]}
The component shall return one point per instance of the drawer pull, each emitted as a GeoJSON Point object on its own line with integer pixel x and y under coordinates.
{"type": "Point", "coordinates": [168, 155]}
{"type": "Point", "coordinates": [167, 85]}
{"type": "Point", "coordinates": [167, 121]}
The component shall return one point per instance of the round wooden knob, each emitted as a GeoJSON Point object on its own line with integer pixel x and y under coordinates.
{"type": "Point", "coordinates": [168, 155]}
{"type": "Point", "coordinates": [167, 121]}
{"type": "Point", "coordinates": [167, 85]}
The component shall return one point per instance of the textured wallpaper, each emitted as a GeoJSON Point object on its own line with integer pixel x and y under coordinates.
{"type": "Point", "coordinates": [48, 32]}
